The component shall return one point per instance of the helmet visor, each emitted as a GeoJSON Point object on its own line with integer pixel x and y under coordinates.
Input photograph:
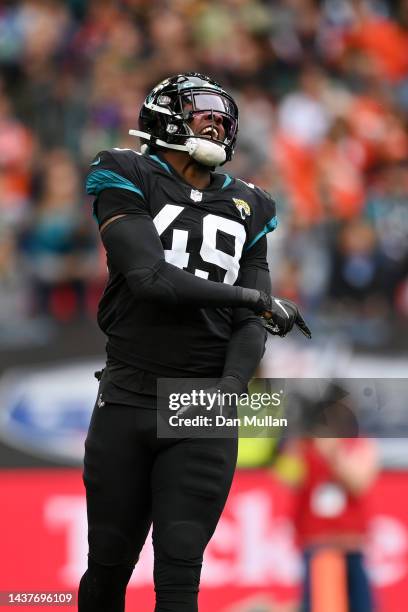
{"type": "Point", "coordinates": [216, 102]}
{"type": "Point", "coordinates": [198, 102]}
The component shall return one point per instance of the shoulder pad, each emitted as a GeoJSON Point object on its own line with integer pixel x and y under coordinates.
{"type": "Point", "coordinates": [264, 219]}
{"type": "Point", "coordinates": [114, 168]}
{"type": "Point", "coordinates": [263, 199]}
{"type": "Point", "coordinates": [123, 159]}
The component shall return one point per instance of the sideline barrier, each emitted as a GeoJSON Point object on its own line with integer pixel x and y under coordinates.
{"type": "Point", "coordinates": [252, 556]}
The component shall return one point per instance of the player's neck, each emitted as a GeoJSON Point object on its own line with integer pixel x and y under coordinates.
{"type": "Point", "coordinates": [195, 174]}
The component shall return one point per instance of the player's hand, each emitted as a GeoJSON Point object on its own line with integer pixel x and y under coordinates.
{"type": "Point", "coordinates": [280, 315]}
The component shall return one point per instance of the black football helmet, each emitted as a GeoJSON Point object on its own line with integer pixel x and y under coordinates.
{"type": "Point", "coordinates": [166, 112]}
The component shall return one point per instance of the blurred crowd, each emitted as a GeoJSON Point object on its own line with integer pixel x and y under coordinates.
{"type": "Point", "coordinates": [322, 88]}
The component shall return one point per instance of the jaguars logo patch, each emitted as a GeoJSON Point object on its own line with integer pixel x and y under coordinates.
{"type": "Point", "coordinates": [243, 207]}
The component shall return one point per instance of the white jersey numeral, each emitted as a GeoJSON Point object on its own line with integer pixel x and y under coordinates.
{"type": "Point", "coordinates": [212, 224]}
{"type": "Point", "coordinates": [177, 255]}
{"type": "Point", "coordinates": [209, 252]}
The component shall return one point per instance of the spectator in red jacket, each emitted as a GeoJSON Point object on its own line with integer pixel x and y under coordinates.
{"type": "Point", "coordinates": [333, 478]}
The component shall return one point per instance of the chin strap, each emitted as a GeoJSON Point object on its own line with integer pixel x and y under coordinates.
{"type": "Point", "coordinates": [203, 151]}
{"type": "Point", "coordinates": [161, 143]}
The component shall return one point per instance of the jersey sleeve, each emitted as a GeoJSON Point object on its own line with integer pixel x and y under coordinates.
{"type": "Point", "coordinates": [263, 218]}
{"type": "Point", "coordinates": [247, 344]}
{"type": "Point", "coordinates": [117, 184]}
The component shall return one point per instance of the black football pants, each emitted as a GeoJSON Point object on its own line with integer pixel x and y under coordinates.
{"type": "Point", "coordinates": [134, 479]}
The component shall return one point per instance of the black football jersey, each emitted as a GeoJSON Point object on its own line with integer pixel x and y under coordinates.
{"type": "Point", "coordinates": [210, 232]}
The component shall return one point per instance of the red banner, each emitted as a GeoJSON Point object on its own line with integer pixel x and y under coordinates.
{"type": "Point", "coordinates": [250, 562]}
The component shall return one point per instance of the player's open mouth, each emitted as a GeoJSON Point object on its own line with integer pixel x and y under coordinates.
{"type": "Point", "coordinates": [210, 131]}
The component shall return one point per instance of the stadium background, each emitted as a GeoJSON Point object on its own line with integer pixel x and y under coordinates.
{"type": "Point", "coordinates": [323, 93]}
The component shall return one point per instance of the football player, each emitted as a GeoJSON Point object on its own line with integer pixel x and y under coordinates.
{"type": "Point", "coordinates": [188, 296]}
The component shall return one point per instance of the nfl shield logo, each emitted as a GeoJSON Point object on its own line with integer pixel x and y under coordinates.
{"type": "Point", "coordinates": [196, 195]}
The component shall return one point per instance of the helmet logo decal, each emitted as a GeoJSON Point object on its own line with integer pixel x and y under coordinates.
{"type": "Point", "coordinates": [163, 100]}
{"type": "Point", "coordinates": [196, 195]}
{"type": "Point", "coordinates": [186, 84]}
{"type": "Point", "coordinates": [243, 207]}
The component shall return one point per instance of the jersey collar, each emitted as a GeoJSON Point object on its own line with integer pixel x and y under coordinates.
{"type": "Point", "coordinates": [218, 180]}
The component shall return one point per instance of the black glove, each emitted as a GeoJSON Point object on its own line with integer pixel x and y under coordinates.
{"type": "Point", "coordinates": [285, 314]}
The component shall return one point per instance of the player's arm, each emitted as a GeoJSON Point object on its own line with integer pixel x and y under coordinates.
{"type": "Point", "coordinates": [283, 314]}
{"type": "Point", "coordinates": [133, 246]}
{"type": "Point", "coordinates": [247, 344]}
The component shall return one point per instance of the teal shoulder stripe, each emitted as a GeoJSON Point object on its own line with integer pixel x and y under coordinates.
{"type": "Point", "coordinates": [162, 163]}
{"type": "Point", "coordinates": [269, 227]}
{"type": "Point", "coordinates": [227, 181]}
{"type": "Point", "coordinates": [105, 179]}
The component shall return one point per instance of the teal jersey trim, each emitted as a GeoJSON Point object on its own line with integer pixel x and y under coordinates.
{"type": "Point", "coordinates": [227, 181]}
{"type": "Point", "coordinates": [269, 227]}
{"type": "Point", "coordinates": [162, 163]}
{"type": "Point", "coordinates": [99, 180]}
